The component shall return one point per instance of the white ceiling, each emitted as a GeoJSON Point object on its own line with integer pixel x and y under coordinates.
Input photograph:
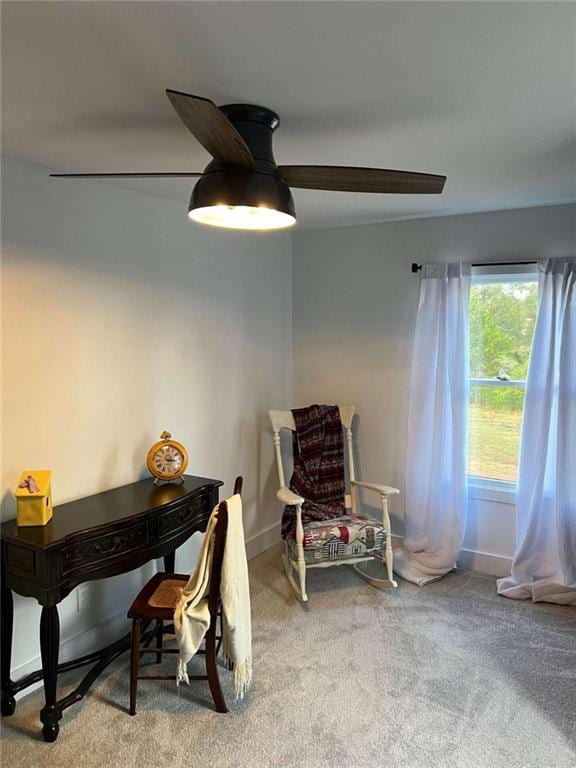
{"type": "Point", "coordinates": [482, 92]}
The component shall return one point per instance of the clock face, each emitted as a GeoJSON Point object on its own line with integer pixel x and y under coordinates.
{"type": "Point", "coordinates": [168, 460]}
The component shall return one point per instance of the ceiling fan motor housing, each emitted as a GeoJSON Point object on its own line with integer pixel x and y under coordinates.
{"type": "Point", "coordinates": [262, 186]}
{"type": "Point", "coordinates": [256, 125]}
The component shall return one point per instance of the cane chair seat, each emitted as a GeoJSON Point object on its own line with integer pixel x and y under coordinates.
{"type": "Point", "coordinates": [158, 598]}
{"type": "Point", "coordinates": [166, 594]}
{"type": "Point", "coordinates": [339, 538]}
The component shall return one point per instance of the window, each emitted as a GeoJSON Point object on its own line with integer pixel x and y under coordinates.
{"type": "Point", "coordinates": [502, 317]}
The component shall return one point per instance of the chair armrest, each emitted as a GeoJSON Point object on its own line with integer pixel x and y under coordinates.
{"type": "Point", "coordinates": [383, 490]}
{"type": "Point", "coordinates": [286, 496]}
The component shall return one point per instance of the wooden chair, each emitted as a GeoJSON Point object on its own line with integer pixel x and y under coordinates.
{"type": "Point", "coordinates": [323, 546]}
{"type": "Point", "coordinates": [156, 603]}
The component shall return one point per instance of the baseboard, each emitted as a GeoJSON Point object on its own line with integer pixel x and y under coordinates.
{"type": "Point", "coordinates": [98, 636]}
{"type": "Point", "coordinates": [473, 560]}
{"type": "Point", "coordinates": [262, 541]}
{"type": "Point", "coordinates": [468, 559]}
{"type": "Point", "coordinates": [484, 562]}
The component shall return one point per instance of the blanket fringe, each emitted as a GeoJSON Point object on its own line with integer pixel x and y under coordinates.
{"type": "Point", "coordinates": [242, 677]}
{"type": "Point", "coordinates": [182, 673]}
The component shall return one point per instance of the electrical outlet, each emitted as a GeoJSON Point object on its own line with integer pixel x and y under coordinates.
{"type": "Point", "coordinates": [83, 595]}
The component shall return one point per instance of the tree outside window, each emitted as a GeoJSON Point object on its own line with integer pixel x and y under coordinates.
{"type": "Point", "coordinates": [502, 317]}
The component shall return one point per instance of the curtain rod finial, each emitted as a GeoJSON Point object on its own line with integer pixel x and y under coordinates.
{"type": "Point", "coordinates": [416, 267]}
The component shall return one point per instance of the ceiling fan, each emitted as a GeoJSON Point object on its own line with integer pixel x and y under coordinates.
{"type": "Point", "coordinates": [242, 187]}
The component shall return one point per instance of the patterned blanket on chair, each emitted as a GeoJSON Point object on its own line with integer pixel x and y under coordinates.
{"type": "Point", "coordinates": [318, 474]}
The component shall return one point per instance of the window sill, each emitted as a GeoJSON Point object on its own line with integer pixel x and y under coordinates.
{"type": "Point", "coordinates": [491, 490]}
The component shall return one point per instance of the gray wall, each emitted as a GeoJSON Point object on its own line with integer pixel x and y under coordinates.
{"type": "Point", "coordinates": [122, 319]}
{"type": "Point", "coordinates": [355, 302]}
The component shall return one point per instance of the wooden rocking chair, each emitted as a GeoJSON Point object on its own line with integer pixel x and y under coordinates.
{"type": "Point", "coordinates": [348, 540]}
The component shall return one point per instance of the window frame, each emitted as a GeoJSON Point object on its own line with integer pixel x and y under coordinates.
{"type": "Point", "coordinates": [486, 488]}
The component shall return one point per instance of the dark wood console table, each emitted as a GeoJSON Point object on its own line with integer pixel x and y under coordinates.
{"type": "Point", "coordinates": [91, 538]}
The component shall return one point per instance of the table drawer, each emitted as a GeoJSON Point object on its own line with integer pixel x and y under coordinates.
{"type": "Point", "coordinates": [104, 547]}
{"type": "Point", "coordinates": [194, 513]}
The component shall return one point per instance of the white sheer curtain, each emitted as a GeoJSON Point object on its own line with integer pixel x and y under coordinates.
{"type": "Point", "coordinates": [544, 565]}
{"type": "Point", "coordinates": [436, 492]}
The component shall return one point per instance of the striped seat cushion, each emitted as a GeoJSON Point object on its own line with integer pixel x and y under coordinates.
{"type": "Point", "coordinates": [342, 537]}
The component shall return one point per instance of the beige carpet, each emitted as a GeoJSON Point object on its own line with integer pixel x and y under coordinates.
{"type": "Point", "coordinates": [448, 676]}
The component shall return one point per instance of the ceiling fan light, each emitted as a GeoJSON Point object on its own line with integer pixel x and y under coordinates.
{"type": "Point", "coordinates": [242, 199]}
{"type": "Point", "coordinates": [242, 217]}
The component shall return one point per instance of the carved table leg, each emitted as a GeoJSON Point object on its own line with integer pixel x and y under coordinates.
{"type": "Point", "coordinates": [49, 646]}
{"type": "Point", "coordinates": [170, 562]}
{"type": "Point", "coordinates": [7, 698]}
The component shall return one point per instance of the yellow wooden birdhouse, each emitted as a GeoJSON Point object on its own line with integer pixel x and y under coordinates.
{"type": "Point", "coordinates": [34, 497]}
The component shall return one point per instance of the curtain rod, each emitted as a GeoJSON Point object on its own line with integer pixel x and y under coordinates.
{"type": "Point", "coordinates": [417, 267]}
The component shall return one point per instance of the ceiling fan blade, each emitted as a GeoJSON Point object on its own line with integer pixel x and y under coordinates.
{"type": "Point", "coordinates": [348, 179]}
{"type": "Point", "coordinates": [160, 175]}
{"type": "Point", "coordinates": [212, 129]}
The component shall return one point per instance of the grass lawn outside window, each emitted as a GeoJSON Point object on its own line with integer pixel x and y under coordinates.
{"type": "Point", "coordinates": [502, 317]}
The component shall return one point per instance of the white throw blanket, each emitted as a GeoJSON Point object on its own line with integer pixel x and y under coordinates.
{"type": "Point", "coordinates": [192, 617]}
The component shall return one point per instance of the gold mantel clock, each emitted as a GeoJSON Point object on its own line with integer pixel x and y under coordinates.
{"type": "Point", "coordinates": [167, 459]}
